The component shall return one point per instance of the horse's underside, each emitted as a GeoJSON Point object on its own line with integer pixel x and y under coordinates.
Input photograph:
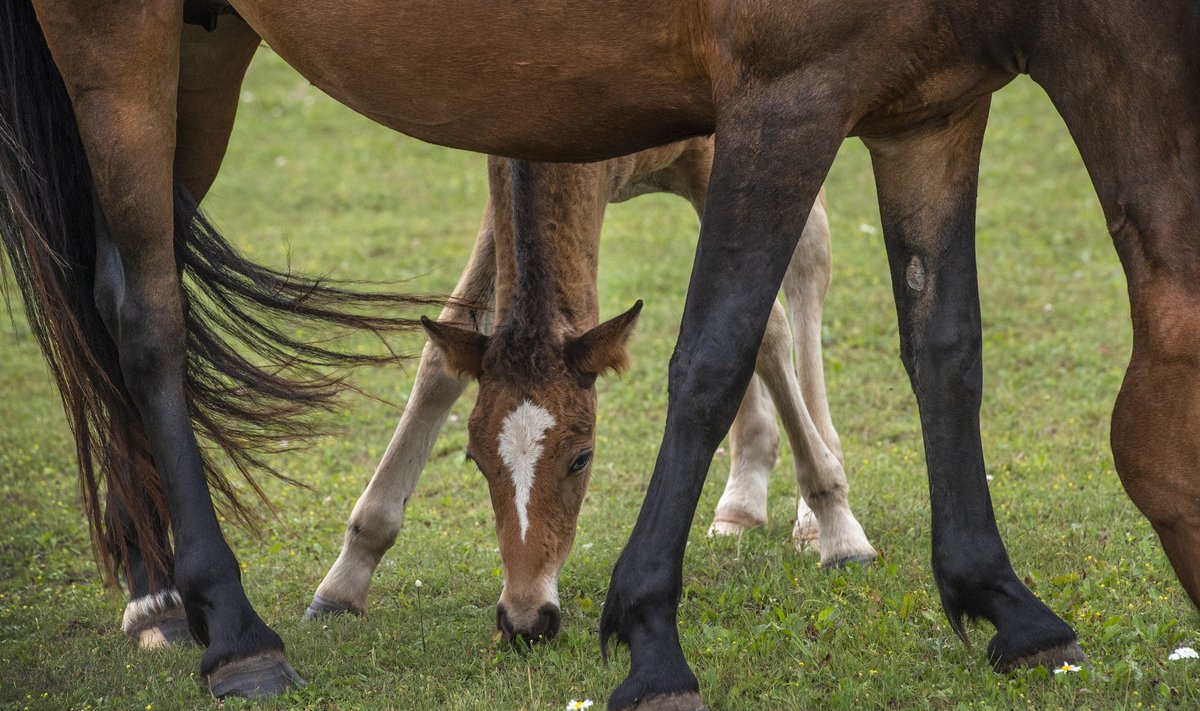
{"type": "Point", "coordinates": [781, 84]}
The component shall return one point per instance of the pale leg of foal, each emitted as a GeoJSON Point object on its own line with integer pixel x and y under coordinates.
{"type": "Point", "coordinates": [805, 284]}
{"type": "Point", "coordinates": [379, 513]}
{"type": "Point", "coordinates": [819, 471]}
{"type": "Point", "coordinates": [754, 445]}
{"type": "Point", "coordinates": [817, 449]}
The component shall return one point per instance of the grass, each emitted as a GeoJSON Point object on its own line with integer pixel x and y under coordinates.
{"type": "Point", "coordinates": [307, 181]}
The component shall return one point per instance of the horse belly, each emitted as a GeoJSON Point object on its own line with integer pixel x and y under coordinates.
{"type": "Point", "coordinates": [544, 79]}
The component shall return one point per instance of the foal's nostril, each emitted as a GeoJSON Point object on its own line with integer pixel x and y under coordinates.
{"type": "Point", "coordinates": [549, 620]}
{"type": "Point", "coordinates": [503, 623]}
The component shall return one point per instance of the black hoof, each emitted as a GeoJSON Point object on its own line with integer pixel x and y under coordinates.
{"type": "Point", "coordinates": [687, 701]}
{"type": "Point", "coordinates": [1051, 658]}
{"type": "Point", "coordinates": [323, 607]}
{"type": "Point", "coordinates": [864, 561]}
{"type": "Point", "coordinates": [262, 675]}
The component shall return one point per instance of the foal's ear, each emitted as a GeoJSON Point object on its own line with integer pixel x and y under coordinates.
{"type": "Point", "coordinates": [603, 347]}
{"type": "Point", "coordinates": [462, 348]}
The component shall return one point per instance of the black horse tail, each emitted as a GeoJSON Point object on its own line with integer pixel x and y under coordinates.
{"type": "Point", "coordinates": [249, 383]}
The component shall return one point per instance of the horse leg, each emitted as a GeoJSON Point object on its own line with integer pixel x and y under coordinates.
{"type": "Point", "coordinates": [927, 180]}
{"type": "Point", "coordinates": [379, 513]}
{"type": "Point", "coordinates": [754, 435]}
{"type": "Point", "coordinates": [124, 95]}
{"type": "Point", "coordinates": [212, 65]}
{"type": "Point", "coordinates": [805, 284]}
{"type": "Point", "coordinates": [754, 445]}
{"type": "Point", "coordinates": [819, 472]}
{"type": "Point", "coordinates": [761, 199]}
{"type": "Point", "coordinates": [211, 68]}
{"type": "Point", "coordinates": [1154, 423]}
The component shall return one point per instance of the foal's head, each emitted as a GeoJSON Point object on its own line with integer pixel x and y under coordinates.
{"type": "Point", "coordinates": [532, 435]}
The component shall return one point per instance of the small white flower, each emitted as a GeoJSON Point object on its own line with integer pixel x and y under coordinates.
{"type": "Point", "coordinates": [417, 583]}
{"type": "Point", "coordinates": [867, 229]}
{"type": "Point", "coordinates": [990, 477]}
{"type": "Point", "coordinates": [1066, 667]}
{"type": "Point", "coordinates": [575, 704]}
{"type": "Point", "coordinates": [1183, 653]}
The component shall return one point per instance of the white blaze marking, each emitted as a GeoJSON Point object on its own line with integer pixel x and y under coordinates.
{"type": "Point", "coordinates": [521, 448]}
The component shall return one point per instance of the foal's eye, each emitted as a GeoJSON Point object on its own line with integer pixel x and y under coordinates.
{"type": "Point", "coordinates": [581, 462]}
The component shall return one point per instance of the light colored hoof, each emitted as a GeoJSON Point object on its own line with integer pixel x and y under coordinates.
{"type": "Point", "coordinates": [166, 633]}
{"type": "Point", "coordinates": [729, 522]}
{"type": "Point", "coordinates": [157, 621]}
{"type": "Point", "coordinates": [806, 534]}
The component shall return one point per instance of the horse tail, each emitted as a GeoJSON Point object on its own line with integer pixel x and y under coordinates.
{"type": "Point", "coordinates": [250, 381]}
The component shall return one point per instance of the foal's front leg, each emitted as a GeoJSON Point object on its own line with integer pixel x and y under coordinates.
{"type": "Point", "coordinates": [927, 186]}
{"type": "Point", "coordinates": [124, 96]}
{"type": "Point", "coordinates": [772, 154]}
{"type": "Point", "coordinates": [379, 513]}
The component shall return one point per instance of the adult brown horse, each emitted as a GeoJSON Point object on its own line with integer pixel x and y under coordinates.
{"type": "Point", "coordinates": [781, 84]}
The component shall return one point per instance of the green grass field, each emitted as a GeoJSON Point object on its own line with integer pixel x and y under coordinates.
{"type": "Point", "coordinates": [309, 183]}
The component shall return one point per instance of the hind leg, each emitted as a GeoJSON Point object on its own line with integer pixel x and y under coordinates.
{"type": "Point", "coordinates": [212, 65]}
{"type": "Point", "coordinates": [927, 185]}
{"type": "Point", "coordinates": [754, 445]}
{"type": "Point", "coordinates": [154, 616]}
{"type": "Point", "coordinates": [124, 96]}
{"type": "Point", "coordinates": [1156, 421]}
{"type": "Point", "coordinates": [818, 471]}
{"type": "Point", "coordinates": [379, 513]}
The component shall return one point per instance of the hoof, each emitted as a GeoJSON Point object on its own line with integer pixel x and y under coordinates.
{"type": "Point", "coordinates": [172, 632]}
{"type": "Point", "coordinates": [732, 523]}
{"type": "Point", "coordinates": [157, 621]}
{"type": "Point", "coordinates": [806, 537]}
{"type": "Point", "coordinates": [262, 675]}
{"type": "Point", "coordinates": [863, 560]}
{"type": "Point", "coordinates": [323, 607]}
{"type": "Point", "coordinates": [689, 701]}
{"type": "Point", "coordinates": [1051, 658]}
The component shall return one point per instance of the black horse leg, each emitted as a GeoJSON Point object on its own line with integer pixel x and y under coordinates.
{"type": "Point", "coordinates": [126, 114]}
{"type": "Point", "coordinates": [927, 181]}
{"type": "Point", "coordinates": [771, 158]}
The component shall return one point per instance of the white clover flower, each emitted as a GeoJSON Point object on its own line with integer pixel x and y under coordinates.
{"type": "Point", "coordinates": [1066, 667]}
{"type": "Point", "coordinates": [1183, 653]}
{"type": "Point", "coordinates": [575, 704]}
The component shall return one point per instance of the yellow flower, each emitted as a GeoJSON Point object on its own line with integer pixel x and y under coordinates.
{"type": "Point", "coordinates": [576, 704]}
{"type": "Point", "coordinates": [1066, 667]}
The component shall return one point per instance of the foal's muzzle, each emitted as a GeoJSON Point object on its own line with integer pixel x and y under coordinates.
{"type": "Point", "coordinates": [539, 628]}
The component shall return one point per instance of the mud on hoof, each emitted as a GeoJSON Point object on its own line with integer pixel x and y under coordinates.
{"type": "Point", "coordinates": [1051, 658]}
{"type": "Point", "coordinates": [262, 675]}
{"type": "Point", "coordinates": [687, 701]}
{"type": "Point", "coordinates": [324, 607]}
{"type": "Point", "coordinates": [156, 621]}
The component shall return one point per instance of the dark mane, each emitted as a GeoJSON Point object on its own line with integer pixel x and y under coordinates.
{"type": "Point", "coordinates": [523, 344]}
